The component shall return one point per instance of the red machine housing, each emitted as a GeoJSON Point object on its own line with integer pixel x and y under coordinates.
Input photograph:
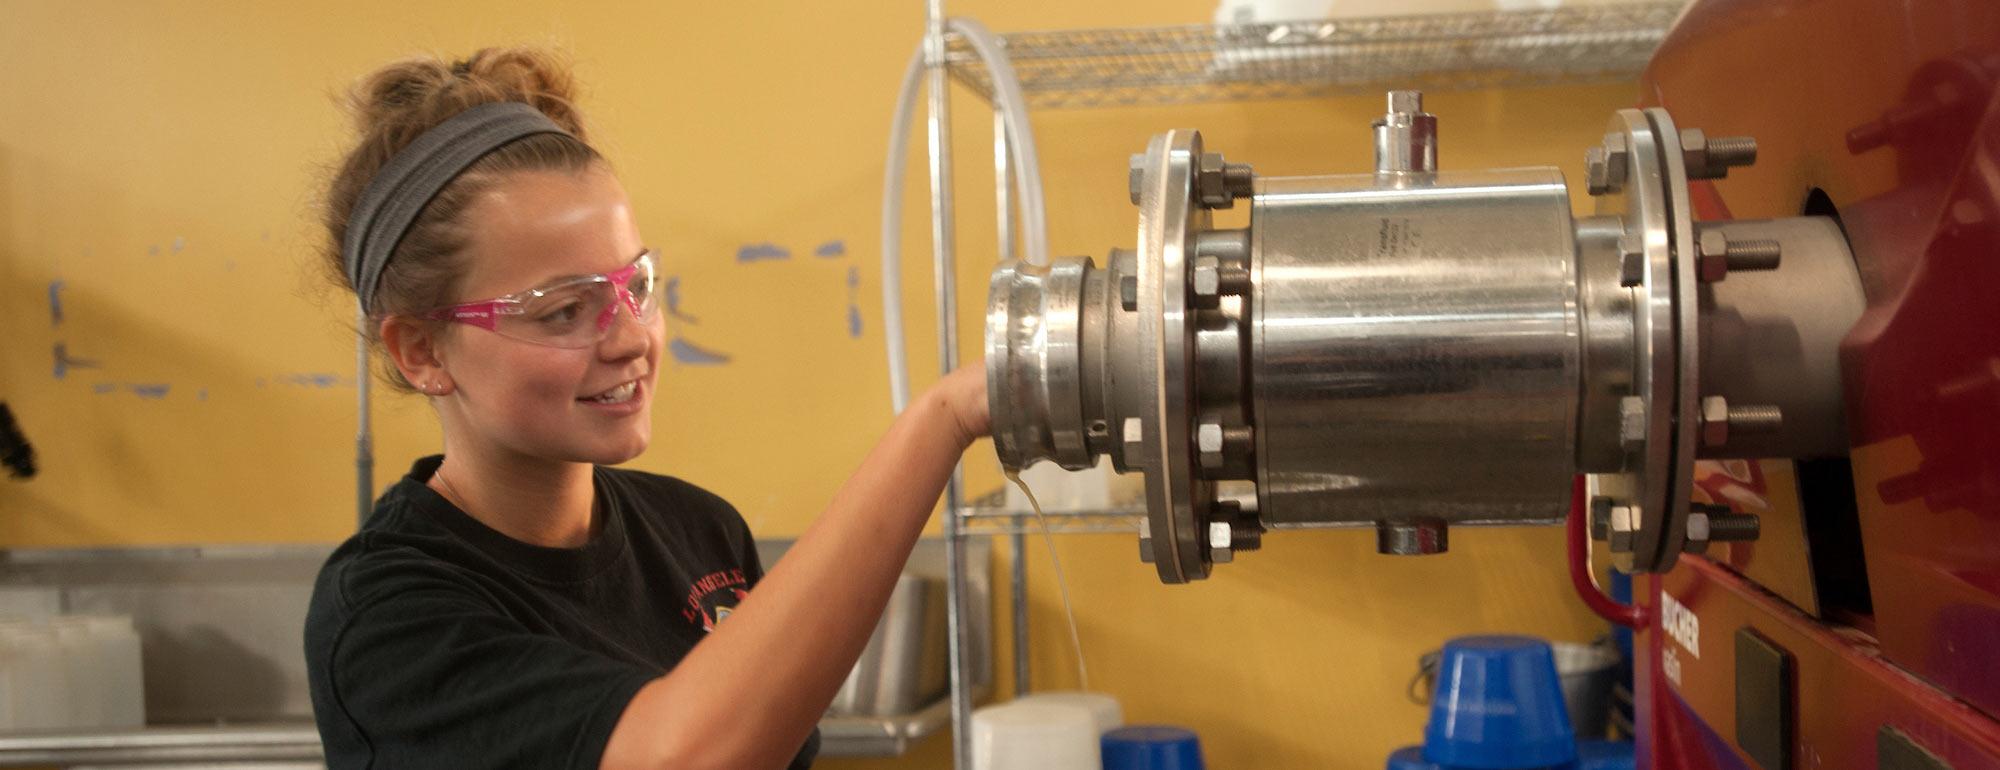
{"type": "Point", "coordinates": [1886, 115]}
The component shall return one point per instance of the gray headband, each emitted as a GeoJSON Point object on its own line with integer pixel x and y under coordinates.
{"type": "Point", "coordinates": [415, 175]}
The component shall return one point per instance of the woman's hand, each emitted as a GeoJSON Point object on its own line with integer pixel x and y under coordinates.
{"type": "Point", "coordinates": [962, 396]}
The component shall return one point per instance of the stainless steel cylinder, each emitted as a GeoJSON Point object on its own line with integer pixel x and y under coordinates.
{"type": "Point", "coordinates": [1414, 350]}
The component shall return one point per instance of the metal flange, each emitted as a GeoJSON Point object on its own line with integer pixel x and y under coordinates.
{"type": "Point", "coordinates": [1170, 218]}
{"type": "Point", "coordinates": [1644, 184]}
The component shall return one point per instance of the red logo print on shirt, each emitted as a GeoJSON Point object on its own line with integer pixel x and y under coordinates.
{"type": "Point", "coordinates": [715, 596]}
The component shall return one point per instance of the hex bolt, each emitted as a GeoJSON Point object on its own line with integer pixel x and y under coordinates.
{"type": "Point", "coordinates": [1695, 533]}
{"type": "Point", "coordinates": [1754, 255]}
{"type": "Point", "coordinates": [1717, 524]}
{"type": "Point", "coordinates": [1236, 440]}
{"type": "Point", "coordinates": [1732, 151]}
{"type": "Point", "coordinates": [1135, 175]}
{"type": "Point", "coordinates": [1714, 421]}
{"type": "Point", "coordinates": [1756, 419]}
{"type": "Point", "coordinates": [1631, 422]}
{"type": "Point", "coordinates": [1218, 183]}
{"type": "Point", "coordinates": [1228, 245]}
{"type": "Point", "coordinates": [1719, 420]}
{"type": "Point", "coordinates": [1128, 292]}
{"type": "Point", "coordinates": [1717, 254]}
{"type": "Point", "coordinates": [1604, 165]}
{"type": "Point", "coordinates": [1727, 527]}
{"type": "Point", "coordinates": [1207, 277]}
{"type": "Point", "coordinates": [1712, 158]}
{"type": "Point", "coordinates": [1239, 179]}
{"type": "Point", "coordinates": [1210, 186]}
{"type": "Point", "coordinates": [1596, 172]}
{"type": "Point", "coordinates": [1209, 444]}
{"type": "Point", "coordinates": [1219, 539]}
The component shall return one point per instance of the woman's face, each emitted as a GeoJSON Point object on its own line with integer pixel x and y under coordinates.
{"type": "Point", "coordinates": [513, 397]}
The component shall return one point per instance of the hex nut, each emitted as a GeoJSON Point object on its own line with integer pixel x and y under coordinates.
{"type": "Point", "coordinates": [1712, 255]}
{"type": "Point", "coordinates": [1605, 164]}
{"type": "Point", "coordinates": [1624, 528]}
{"type": "Point", "coordinates": [1596, 172]}
{"type": "Point", "coordinates": [1208, 442]}
{"type": "Point", "coordinates": [1600, 518]}
{"type": "Point", "coordinates": [1631, 421]}
{"type": "Point", "coordinates": [1714, 421]}
{"type": "Point", "coordinates": [1696, 533]}
{"type": "Point", "coordinates": [1208, 182]}
{"type": "Point", "coordinates": [1133, 433]}
{"type": "Point", "coordinates": [1135, 179]}
{"type": "Point", "coordinates": [1631, 268]}
{"type": "Point", "coordinates": [1694, 153]}
{"type": "Point", "coordinates": [1219, 543]}
{"type": "Point", "coordinates": [1207, 276]}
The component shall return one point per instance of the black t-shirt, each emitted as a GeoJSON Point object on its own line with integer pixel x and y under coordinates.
{"type": "Point", "coordinates": [434, 641]}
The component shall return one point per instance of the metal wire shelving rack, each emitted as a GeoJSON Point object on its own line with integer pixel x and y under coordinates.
{"type": "Point", "coordinates": [1584, 44]}
{"type": "Point", "coordinates": [1443, 52]}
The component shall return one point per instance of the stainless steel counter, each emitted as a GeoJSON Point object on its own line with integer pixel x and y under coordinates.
{"type": "Point", "coordinates": [222, 640]}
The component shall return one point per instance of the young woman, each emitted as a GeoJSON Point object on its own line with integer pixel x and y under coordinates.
{"type": "Point", "coordinates": [516, 602]}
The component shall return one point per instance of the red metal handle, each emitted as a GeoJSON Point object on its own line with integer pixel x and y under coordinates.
{"type": "Point", "coordinates": [1627, 615]}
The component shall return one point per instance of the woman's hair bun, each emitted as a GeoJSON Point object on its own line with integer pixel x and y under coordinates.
{"type": "Point", "coordinates": [409, 97]}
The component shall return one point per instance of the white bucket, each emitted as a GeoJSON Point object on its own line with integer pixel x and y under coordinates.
{"type": "Point", "coordinates": [1103, 708]}
{"type": "Point", "coordinates": [1030, 735]}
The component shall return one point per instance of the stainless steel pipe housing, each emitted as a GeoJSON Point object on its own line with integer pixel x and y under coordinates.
{"type": "Point", "coordinates": [1415, 349]}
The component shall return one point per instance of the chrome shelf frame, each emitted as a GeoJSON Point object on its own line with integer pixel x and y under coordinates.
{"type": "Point", "coordinates": [990, 515]}
{"type": "Point", "coordinates": [1436, 52]}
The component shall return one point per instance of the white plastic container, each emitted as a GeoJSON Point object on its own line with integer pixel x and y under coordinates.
{"type": "Point", "coordinates": [1103, 708]}
{"type": "Point", "coordinates": [1030, 735]}
{"type": "Point", "coordinates": [70, 673]}
{"type": "Point", "coordinates": [82, 681]}
{"type": "Point", "coordinates": [37, 695]}
{"type": "Point", "coordinates": [117, 671]}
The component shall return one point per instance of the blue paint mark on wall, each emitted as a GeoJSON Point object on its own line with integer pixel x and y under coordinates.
{"type": "Point", "coordinates": [757, 252]}
{"type": "Point", "coordinates": [673, 292]}
{"type": "Point", "coordinates": [65, 362]}
{"type": "Point", "coordinates": [150, 390]}
{"type": "Point", "coordinates": [104, 387]}
{"type": "Point", "coordinates": [686, 352]}
{"type": "Point", "coordinates": [321, 380]}
{"type": "Point", "coordinates": [179, 243]}
{"type": "Point", "coordinates": [55, 303]}
{"type": "Point", "coordinates": [853, 303]}
{"type": "Point", "coordinates": [201, 395]}
{"type": "Point", "coordinates": [830, 249]}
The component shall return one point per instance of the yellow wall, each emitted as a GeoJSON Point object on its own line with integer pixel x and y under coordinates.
{"type": "Point", "coordinates": [159, 160]}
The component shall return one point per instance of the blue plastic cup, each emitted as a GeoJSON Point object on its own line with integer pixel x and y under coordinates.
{"type": "Point", "coordinates": [1499, 706]}
{"type": "Point", "coordinates": [1410, 758]}
{"type": "Point", "coordinates": [1152, 747]}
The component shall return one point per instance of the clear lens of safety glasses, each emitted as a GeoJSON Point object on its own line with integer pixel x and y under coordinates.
{"type": "Point", "coordinates": [575, 313]}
